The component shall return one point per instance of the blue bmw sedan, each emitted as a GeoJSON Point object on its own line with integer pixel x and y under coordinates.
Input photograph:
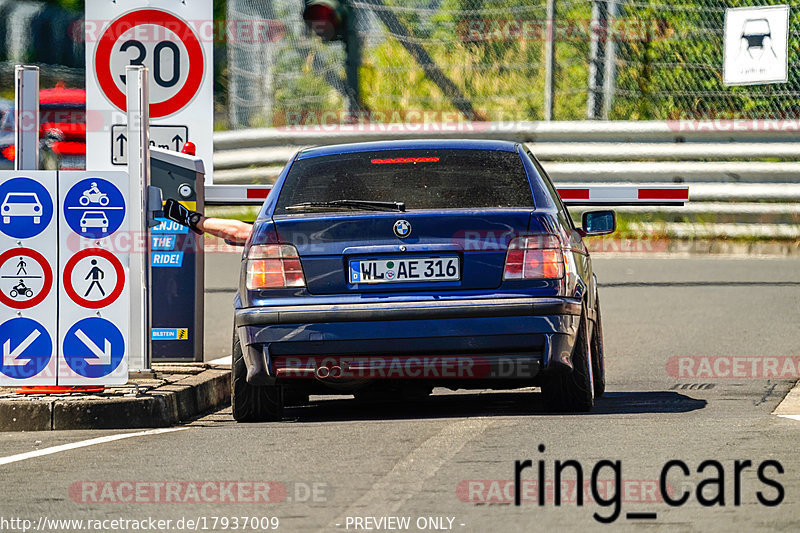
{"type": "Point", "coordinates": [389, 268]}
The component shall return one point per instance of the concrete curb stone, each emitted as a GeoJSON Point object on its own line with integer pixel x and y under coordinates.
{"type": "Point", "coordinates": [180, 392]}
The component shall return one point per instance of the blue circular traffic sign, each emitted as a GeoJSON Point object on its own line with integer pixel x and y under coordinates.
{"type": "Point", "coordinates": [93, 347]}
{"type": "Point", "coordinates": [26, 208]}
{"type": "Point", "coordinates": [26, 348]}
{"type": "Point", "coordinates": [94, 208]}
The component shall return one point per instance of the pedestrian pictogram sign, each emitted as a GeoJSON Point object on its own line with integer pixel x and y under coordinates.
{"type": "Point", "coordinates": [26, 208]}
{"type": "Point", "coordinates": [94, 208]}
{"type": "Point", "coordinates": [93, 348]}
{"type": "Point", "coordinates": [25, 278]}
{"type": "Point", "coordinates": [94, 278]}
{"type": "Point", "coordinates": [27, 352]}
{"type": "Point", "coordinates": [174, 40]}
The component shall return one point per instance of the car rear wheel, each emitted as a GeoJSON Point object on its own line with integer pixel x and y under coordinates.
{"type": "Point", "coordinates": [573, 392]}
{"type": "Point", "coordinates": [598, 356]}
{"type": "Point", "coordinates": [252, 403]}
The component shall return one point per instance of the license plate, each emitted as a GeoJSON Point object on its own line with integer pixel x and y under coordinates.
{"type": "Point", "coordinates": [405, 270]}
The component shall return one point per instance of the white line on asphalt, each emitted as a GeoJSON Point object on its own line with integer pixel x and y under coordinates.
{"type": "Point", "coordinates": [410, 473]}
{"type": "Point", "coordinates": [221, 361]}
{"type": "Point", "coordinates": [83, 444]}
{"type": "Point", "coordinates": [790, 405]}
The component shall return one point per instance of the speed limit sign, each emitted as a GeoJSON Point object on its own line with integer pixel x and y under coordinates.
{"type": "Point", "coordinates": [175, 41]}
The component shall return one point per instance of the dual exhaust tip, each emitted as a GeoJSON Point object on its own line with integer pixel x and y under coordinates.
{"type": "Point", "coordinates": [328, 372]}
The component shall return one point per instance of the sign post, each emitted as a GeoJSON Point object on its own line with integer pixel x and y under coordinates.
{"type": "Point", "coordinates": [26, 115]}
{"type": "Point", "coordinates": [139, 172]}
{"type": "Point", "coordinates": [174, 40]}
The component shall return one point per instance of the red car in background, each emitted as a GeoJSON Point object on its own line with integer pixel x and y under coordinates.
{"type": "Point", "coordinates": [62, 130]}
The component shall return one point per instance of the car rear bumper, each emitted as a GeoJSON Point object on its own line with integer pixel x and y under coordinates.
{"type": "Point", "coordinates": [474, 339]}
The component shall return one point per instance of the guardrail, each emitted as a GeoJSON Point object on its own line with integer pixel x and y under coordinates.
{"type": "Point", "coordinates": [734, 167]}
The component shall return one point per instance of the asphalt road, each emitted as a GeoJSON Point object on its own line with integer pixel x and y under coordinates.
{"type": "Point", "coordinates": [453, 456]}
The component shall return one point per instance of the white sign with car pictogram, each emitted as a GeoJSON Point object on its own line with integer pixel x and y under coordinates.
{"type": "Point", "coordinates": [28, 266]}
{"type": "Point", "coordinates": [756, 45]}
{"type": "Point", "coordinates": [94, 290]}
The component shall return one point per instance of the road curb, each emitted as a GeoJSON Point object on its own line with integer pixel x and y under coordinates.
{"type": "Point", "coordinates": [178, 393]}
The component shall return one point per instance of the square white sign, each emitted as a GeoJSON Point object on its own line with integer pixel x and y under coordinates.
{"type": "Point", "coordinates": [756, 45]}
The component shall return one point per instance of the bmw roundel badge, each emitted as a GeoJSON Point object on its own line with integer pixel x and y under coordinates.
{"type": "Point", "coordinates": [402, 228]}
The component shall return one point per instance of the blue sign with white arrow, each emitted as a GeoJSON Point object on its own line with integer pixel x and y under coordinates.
{"type": "Point", "coordinates": [26, 208]}
{"type": "Point", "coordinates": [94, 208]}
{"type": "Point", "coordinates": [93, 347]}
{"type": "Point", "coordinates": [26, 348]}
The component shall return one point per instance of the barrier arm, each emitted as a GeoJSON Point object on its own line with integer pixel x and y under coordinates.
{"type": "Point", "coordinates": [626, 194]}
{"type": "Point", "coordinates": [577, 195]}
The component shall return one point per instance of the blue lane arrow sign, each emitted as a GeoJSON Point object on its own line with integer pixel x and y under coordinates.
{"type": "Point", "coordinates": [26, 348]}
{"type": "Point", "coordinates": [93, 347]}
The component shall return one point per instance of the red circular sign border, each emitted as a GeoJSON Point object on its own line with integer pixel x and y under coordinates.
{"type": "Point", "coordinates": [48, 278]}
{"type": "Point", "coordinates": [70, 290]}
{"type": "Point", "coordinates": [136, 18]}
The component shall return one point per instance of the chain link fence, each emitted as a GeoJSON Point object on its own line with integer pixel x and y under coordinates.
{"type": "Point", "coordinates": [486, 59]}
{"type": "Point", "coordinates": [451, 60]}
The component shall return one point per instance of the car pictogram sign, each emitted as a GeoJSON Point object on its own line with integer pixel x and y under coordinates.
{"type": "Point", "coordinates": [94, 208]}
{"type": "Point", "coordinates": [94, 278]}
{"type": "Point", "coordinates": [25, 278]}
{"type": "Point", "coordinates": [25, 206]}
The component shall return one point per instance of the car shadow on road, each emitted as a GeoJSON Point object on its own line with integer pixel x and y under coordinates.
{"type": "Point", "coordinates": [464, 404]}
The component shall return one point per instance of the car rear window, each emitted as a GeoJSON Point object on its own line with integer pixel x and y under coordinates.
{"type": "Point", "coordinates": [422, 179]}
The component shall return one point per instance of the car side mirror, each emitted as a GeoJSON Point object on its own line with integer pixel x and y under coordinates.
{"type": "Point", "coordinates": [598, 223]}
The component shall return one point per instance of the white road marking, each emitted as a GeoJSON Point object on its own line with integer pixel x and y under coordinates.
{"type": "Point", "coordinates": [83, 444]}
{"type": "Point", "coordinates": [227, 360]}
{"type": "Point", "coordinates": [408, 476]}
{"type": "Point", "coordinates": [790, 405]}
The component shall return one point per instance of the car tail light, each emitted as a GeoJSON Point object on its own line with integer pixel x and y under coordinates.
{"type": "Point", "coordinates": [274, 266]}
{"type": "Point", "coordinates": [9, 152]}
{"type": "Point", "coordinates": [534, 257]}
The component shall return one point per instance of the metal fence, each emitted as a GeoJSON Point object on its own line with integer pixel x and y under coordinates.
{"type": "Point", "coordinates": [616, 59]}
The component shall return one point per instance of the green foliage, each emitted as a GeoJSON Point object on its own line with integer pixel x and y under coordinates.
{"type": "Point", "coordinates": [675, 69]}
{"type": "Point", "coordinates": [72, 5]}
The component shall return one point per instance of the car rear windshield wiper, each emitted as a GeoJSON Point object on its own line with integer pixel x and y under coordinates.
{"type": "Point", "coordinates": [367, 205]}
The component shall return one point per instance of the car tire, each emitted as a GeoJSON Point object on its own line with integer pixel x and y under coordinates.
{"type": "Point", "coordinates": [598, 355]}
{"type": "Point", "coordinates": [573, 392]}
{"type": "Point", "coordinates": [252, 403]}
